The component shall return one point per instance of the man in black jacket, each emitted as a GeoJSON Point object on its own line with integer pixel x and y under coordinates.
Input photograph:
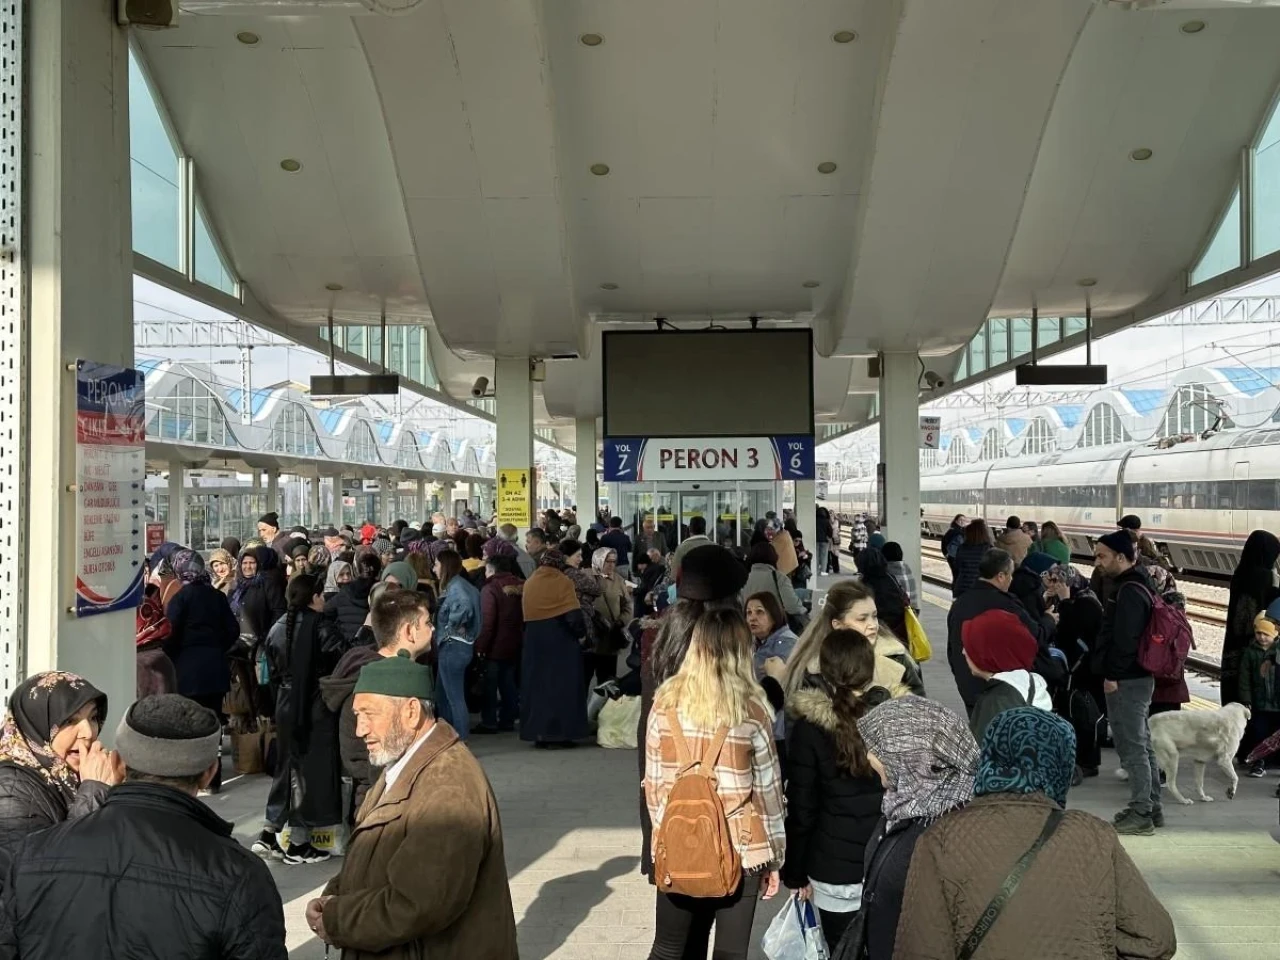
{"type": "Point", "coordinates": [1127, 685]}
{"type": "Point", "coordinates": [991, 592]}
{"type": "Point", "coordinates": [154, 872]}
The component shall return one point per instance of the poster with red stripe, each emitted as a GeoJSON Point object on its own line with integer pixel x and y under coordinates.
{"type": "Point", "coordinates": [111, 464]}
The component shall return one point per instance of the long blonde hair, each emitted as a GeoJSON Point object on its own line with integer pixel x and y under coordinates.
{"type": "Point", "coordinates": [839, 600]}
{"type": "Point", "coordinates": [716, 683]}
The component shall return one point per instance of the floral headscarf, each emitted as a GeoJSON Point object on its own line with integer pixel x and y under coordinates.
{"type": "Point", "coordinates": [188, 566]}
{"type": "Point", "coordinates": [552, 557]}
{"type": "Point", "coordinates": [497, 547]}
{"type": "Point", "coordinates": [1027, 750]}
{"type": "Point", "coordinates": [1075, 581]}
{"type": "Point", "coordinates": [437, 547]}
{"type": "Point", "coordinates": [223, 556]}
{"type": "Point", "coordinates": [38, 708]}
{"type": "Point", "coordinates": [929, 757]}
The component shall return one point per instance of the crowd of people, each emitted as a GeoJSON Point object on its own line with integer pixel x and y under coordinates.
{"type": "Point", "coordinates": [784, 744]}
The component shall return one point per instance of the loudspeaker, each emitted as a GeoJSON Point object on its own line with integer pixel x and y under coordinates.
{"type": "Point", "coordinates": [873, 368]}
{"type": "Point", "coordinates": [154, 14]}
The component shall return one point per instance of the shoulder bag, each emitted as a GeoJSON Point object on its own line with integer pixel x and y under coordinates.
{"type": "Point", "coordinates": [1008, 889]}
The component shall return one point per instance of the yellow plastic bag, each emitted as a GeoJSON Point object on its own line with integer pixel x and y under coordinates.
{"type": "Point", "coordinates": [917, 640]}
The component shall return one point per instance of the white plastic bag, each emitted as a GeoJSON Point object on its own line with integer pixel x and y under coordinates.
{"type": "Point", "coordinates": [617, 725]}
{"type": "Point", "coordinates": [795, 933]}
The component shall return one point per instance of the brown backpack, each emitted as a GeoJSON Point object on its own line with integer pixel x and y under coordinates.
{"type": "Point", "coordinates": [694, 854]}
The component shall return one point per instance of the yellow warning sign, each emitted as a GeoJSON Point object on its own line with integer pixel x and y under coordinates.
{"type": "Point", "coordinates": [515, 493]}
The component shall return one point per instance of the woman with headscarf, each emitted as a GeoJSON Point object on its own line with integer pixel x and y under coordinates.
{"type": "Point", "coordinates": [553, 711]}
{"type": "Point", "coordinates": [154, 670]}
{"type": "Point", "coordinates": [203, 631]}
{"type": "Point", "coordinates": [1253, 586]}
{"type": "Point", "coordinates": [336, 577]}
{"type": "Point", "coordinates": [1079, 614]}
{"type": "Point", "coordinates": [926, 759]}
{"type": "Point", "coordinates": [52, 767]}
{"type": "Point", "coordinates": [161, 572]}
{"type": "Point", "coordinates": [222, 568]}
{"type": "Point", "coordinates": [612, 612]}
{"type": "Point", "coordinates": [573, 559]}
{"type": "Point", "coordinates": [1075, 859]}
{"type": "Point", "coordinates": [349, 607]}
{"type": "Point", "coordinates": [258, 602]}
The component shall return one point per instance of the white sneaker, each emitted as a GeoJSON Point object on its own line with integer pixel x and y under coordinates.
{"type": "Point", "coordinates": [1122, 774]}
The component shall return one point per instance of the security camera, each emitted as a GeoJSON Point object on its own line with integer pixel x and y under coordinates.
{"type": "Point", "coordinates": [934, 381]}
{"type": "Point", "coordinates": [479, 388]}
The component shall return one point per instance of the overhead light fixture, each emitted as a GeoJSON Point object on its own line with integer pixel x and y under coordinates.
{"type": "Point", "coordinates": [1142, 153]}
{"type": "Point", "coordinates": [826, 167]}
{"type": "Point", "coordinates": [600, 169]}
{"type": "Point", "coordinates": [1087, 282]}
{"type": "Point", "coordinates": [1192, 26]}
{"type": "Point", "coordinates": [844, 36]}
{"type": "Point", "coordinates": [333, 287]}
{"type": "Point", "coordinates": [608, 286]}
{"type": "Point", "coordinates": [247, 37]}
{"type": "Point", "coordinates": [591, 39]}
{"type": "Point", "coordinates": [290, 165]}
{"type": "Point", "coordinates": [811, 284]}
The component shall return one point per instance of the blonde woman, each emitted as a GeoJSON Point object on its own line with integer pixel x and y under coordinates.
{"type": "Point", "coordinates": [716, 688]}
{"type": "Point", "coordinates": [851, 605]}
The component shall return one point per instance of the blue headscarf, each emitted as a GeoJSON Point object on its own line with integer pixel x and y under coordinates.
{"type": "Point", "coordinates": [163, 553]}
{"type": "Point", "coordinates": [1027, 750]}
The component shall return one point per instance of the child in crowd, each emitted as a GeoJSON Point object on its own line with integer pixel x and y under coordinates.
{"type": "Point", "coordinates": [1258, 688]}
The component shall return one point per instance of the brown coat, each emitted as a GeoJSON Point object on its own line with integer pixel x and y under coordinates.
{"type": "Point", "coordinates": [424, 877]}
{"type": "Point", "coordinates": [1082, 898]}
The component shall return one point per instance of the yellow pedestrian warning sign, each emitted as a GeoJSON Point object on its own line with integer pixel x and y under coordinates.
{"type": "Point", "coordinates": [515, 493]}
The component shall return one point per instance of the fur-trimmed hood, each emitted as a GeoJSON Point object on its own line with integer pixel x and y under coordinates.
{"type": "Point", "coordinates": [813, 704]}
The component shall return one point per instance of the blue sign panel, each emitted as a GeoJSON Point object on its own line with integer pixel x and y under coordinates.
{"type": "Point", "coordinates": [639, 459]}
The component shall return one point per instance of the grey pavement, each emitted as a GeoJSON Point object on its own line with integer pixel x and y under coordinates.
{"type": "Point", "coordinates": [573, 840]}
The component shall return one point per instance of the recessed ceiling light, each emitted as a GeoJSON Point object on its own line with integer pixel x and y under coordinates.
{"type": "Point", "coordinates": [844, 36]}
{"type": "Point", "coordinates": [1142, 153]}
{"type": "Point", "coordinates": [826, 167]}
{"type": "Point", "coordinates": [600, 169]}
{"type": "Point", "coordinates": [1192, 26]}
{"type": "Point", "coordinates": [290, 165]}
{"type": "Point", "coordinates": [1087, 282]}
{"type": "Point", "coordinates": [333, 287]}
{"type": "Point", "coordinates": [591, 39]}
{"type": "Point", "coordinates": [810, 284]}
{"type": "Point", "coordinates": [608, 286]}
{"type": "Point", "coordinates": [247, 37]}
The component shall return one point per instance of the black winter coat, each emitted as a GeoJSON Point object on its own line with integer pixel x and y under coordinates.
{"type": "Point", "coordinates": [980, 599]}
{"type": "Point", "coordinates": [888, 859]}
{"type": "Point", "coordinates": [28, 804]}
{"type": "Point", "coordinates": [338, 690]}
{"type": "Point", "coordinates": [349, 607]}
{"type": "Point", "coordinates": [204, 631]}
{"type": "Point", "coordinates": [891, 605]}
{"type": "Point", "coordinates": [965, 569]}
{"type": "Point", "coordinates": [1124, 620]}
{"type": "Point", "coordinates": [263, 604]}
{"type": "Point", "coordinates": [831, 814]}
{"type": "Point", "coordinates": [154, 873]}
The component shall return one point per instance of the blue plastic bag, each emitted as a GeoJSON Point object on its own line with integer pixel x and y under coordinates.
{"type": "Point", "coordinates": [795, 933]}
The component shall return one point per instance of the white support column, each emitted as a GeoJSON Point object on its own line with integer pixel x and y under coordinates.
{"type": "Point", "coordinates": [390, 496]}
{"type": "Point", "coordinates": [420, 503]}
{"type": "Point", "coordinates": [176, 529]}
{"type": "Point", "coordinates": [807, 515]}
{"type": "Point", "coordinates": [314, 520]}
{"type": "Point", "coordinates": [335, 507]}
{"type": "Point", "coordinates": [79, 269]}
{"type": "Point", "coordinates": [446, 499]}
{"type": "Point", "coordinates": [900, 452]}
{"type": "Point", "coordinates": [514, 392]}
{"type": "Point", "coordinates": [584, 435]}
{"type": "Point", "coordinates": [273, 491]}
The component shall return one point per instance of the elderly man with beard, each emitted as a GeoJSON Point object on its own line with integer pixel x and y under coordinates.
{"type": "Point", "coordinates": [424, 875]}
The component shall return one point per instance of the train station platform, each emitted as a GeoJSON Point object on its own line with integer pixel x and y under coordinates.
{"type": "Point", "coordinates": [573, 841]}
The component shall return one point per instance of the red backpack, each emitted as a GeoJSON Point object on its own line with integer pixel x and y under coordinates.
{"type": "Point", "coordinates": [1167, 640]}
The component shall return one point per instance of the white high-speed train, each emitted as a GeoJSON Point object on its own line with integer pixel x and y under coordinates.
{"type": "Point", "coordinates": [1198, 500]}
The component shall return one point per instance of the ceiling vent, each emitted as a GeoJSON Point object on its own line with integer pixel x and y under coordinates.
{"type": "Point", "coordinates": [150, 14]}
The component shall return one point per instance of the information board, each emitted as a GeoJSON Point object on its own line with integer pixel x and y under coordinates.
{"type": "Point", "coordinates": [637, 459]}
{"type": "Point", "coordinates": [930, 430]}
{"type": "Point", "coordinates": [110, 473]}
{"type": "Point", "coordinates": [515, 494]}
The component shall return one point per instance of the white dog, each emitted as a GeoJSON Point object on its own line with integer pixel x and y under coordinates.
{"type": "Point", "coordinates": [1203, 735]}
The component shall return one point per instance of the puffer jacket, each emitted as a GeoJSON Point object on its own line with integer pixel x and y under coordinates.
{"type": "Point", "coordinates": [154, 873]}
{"type": "Point", "coordinates": [349, 607]}
{"type": "Point", "coordinates": [338, 689]}
{"type": "Point", "coordinates": [502, 618]}
{"type": "Point", "coordinates": [831, 814]}
{"type": "Point", "coordinates": [28, 804]}
{"type": "Point", "coordinates": [961, 861]}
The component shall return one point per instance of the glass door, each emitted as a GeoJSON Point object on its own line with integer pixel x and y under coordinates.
{"type": "Point", "coordinates": [695, 505]}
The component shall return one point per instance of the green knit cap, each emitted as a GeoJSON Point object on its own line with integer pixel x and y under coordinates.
{"type": "Point", "coordinates": [397, 676]}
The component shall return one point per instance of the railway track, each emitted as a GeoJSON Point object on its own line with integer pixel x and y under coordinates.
{"type": "Point", "coordinates": [1203, 611]}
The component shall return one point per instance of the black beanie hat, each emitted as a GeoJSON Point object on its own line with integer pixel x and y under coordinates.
{"type": "Point", "coordinates": [270, 519]}
{"type": "Point", "coordinates": [710, 572]}
{"type": "Point", "coordinates": [1120, 542]}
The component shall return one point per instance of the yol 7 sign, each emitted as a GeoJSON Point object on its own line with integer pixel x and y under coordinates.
{"type": "Point", "coordinates": [638, 459]}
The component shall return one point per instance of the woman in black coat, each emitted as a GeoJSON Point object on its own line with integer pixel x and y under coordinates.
{"type": "Point", "coordinates": [1079, 620]}
{"type": "Point", "coordinates": [1253, 586]}
{"type": "Point", "coordinates": [257, 599]}
{"type": "Point", "coordinates": [52, 767]}
{"type": "Point", "coordinates": [974, 545]}
{"type": "Point", "coordinates": [833, 794]}
{"type": "Point", "coordinates": [306, 787]}
{"type": "Point", "coordinates": [349, 607]}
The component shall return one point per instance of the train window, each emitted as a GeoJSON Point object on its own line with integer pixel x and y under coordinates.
{"type": "Point", "coordinates": [1262, 495]}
